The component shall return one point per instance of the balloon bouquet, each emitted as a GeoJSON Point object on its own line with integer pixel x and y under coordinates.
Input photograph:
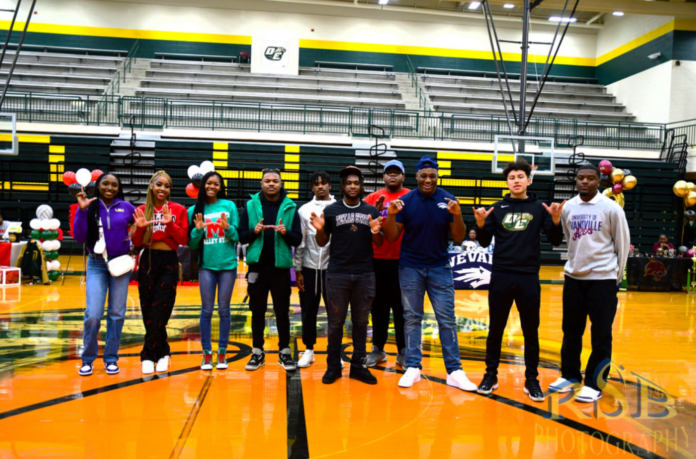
{"type": "Point", "coordinates": [686, 190]}
{"type": "Point", "coordinates": [83, 178]}
{"type": "Point", "coordinates": [44, 229]}
{"type": "Point", "coordinates": [196, 174]}
{"type": "Point", "coordinates": [615, 181]}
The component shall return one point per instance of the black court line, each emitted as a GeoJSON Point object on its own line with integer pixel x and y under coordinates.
{"type": "Point", "coordinates": [181, 442]}
{"type": "Point", "coordinates": [298, 445]}
{"type": "Point", "coordinates": [243, 352]}
{"type": "Point", "coordinates": [575, 425]}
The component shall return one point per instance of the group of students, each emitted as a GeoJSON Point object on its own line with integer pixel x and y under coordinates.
{"type": "Point", "coordinates": [379, 255]}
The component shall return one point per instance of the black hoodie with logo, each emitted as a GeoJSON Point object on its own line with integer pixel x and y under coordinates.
{"type": "Point", "coordinates": [516, 225]}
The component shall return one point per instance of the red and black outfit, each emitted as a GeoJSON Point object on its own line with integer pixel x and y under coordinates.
{"type": "Point", "coordinates": [158, 275]}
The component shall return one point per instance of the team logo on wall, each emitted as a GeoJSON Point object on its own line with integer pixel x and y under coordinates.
{"type": "Point", "coordinates": [274, 53]}
{"type": "Point", "coordinates": [516, 221]}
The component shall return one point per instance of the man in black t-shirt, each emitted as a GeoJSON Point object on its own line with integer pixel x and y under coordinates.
{"type": "Point", "coordinates": [353, 226]}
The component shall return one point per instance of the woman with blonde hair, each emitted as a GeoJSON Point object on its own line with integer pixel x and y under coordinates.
{"type": "Point", "coordinates": [162, 226]}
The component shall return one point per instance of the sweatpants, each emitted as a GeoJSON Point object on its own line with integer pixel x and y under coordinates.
{"type": "Point", "coordinates": [525, 291]}
{"type": "Point", "coordinates": [387, 300]}
{"type": "Point", "coordinates": [275, 281]}
{"type": "Point", "coordinates": [315, 290]}
{"type": "Point", "coordinates": [158, 275]}
{"type": "Point", "coordinates": [596, 299]}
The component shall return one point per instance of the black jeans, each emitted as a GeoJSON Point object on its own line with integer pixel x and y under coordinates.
{"type": "Point", "coordinates": [387, 299]}
{"type": "Point", "coordinates": [315, 289]}
{"type": "Point", "coordinates": [525, 291]}
{"type": "Point", "coordinates": [598, 300]}
{"type": "Point", "coordinates": [158, 275]}
{"type": "Point", "coordinates": [358, 290]}
{"type": "Point", "coordinates": [275, 281]}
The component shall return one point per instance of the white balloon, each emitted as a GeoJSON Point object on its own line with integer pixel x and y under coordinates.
{"type": "Point", "coordinates": [207, 166]}
{"type": "Point", "coordinates": [193, 170]}
{"type": "Point", "coordinates": [49, 266]}
{"type": "Point", "coordinates": [35, 223]}
{"type": "Point", "coordinates": [47, 246]}
{"type": "Point", "coordinates": [55, 223]}
{"type": "Point", "coordinates": [44, 212]}
{"type": "Point", "coordinates": [56, 244]}
{"type": "Point", "coordinates": [55, 265]}
{"type": "Point", "coordinates": [83, 177]}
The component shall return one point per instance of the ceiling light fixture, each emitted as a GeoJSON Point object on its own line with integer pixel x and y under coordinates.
{"type": "Point", "coordinates": [618, 13]}
{"type": "Point", "coordinates": [508, 6]}
{"type": "Point", "coordinates": [560, 19]}
{"type": "Point", "coordinates": [383, 2]}
{"type": "Point", "coordinates": [474, 5]}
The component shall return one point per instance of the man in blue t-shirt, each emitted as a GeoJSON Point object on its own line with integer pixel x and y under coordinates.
{"type": "Point", "coordinates": [427, 216]}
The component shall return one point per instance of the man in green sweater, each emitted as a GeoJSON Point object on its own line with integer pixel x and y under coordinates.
{"type": "Point", "coordinates": [270, 227]}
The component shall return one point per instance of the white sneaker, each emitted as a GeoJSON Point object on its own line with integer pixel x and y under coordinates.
{"type": "Point", "coordinates": [163, 364]}
{"type": "Point", "coordinates": [148, 367]}
{"type": "Point", "coordinates": [459, 380]}
{"type": "Point", "coordinates": [343, 364]}
{"type": "Point", "coordinates": [307, 359]}
{"type": "Point", "coordinates": [561, 385]}
{"type": "Point", "coordinates": [409, 378]}
{"type": "Point", "coordinates": [588, 395]}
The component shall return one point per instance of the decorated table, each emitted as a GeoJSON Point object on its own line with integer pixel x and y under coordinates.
{"type": "Point", "coordinates": [657, 274]}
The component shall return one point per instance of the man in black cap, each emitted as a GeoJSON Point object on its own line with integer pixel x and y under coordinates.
{"type": "Point", "coordinates": [353, 226]}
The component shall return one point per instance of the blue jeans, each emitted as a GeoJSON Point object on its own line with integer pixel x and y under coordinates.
{"type": "Point", "coordinates": [210, 281]}
{"type": "Point", "coordinates": [440, 287]}
{"type": "Point", "coordinates": [99, 281]}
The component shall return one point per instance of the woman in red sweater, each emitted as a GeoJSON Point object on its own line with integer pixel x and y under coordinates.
{"type": "Point", "coordinates": [161, 227]}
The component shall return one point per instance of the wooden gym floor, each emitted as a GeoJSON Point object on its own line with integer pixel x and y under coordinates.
{"type": "Point", "coordinates": [48, 411]}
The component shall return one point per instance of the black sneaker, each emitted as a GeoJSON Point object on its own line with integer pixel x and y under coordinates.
{"type": "Point", "coordinates": [488, 385]}
{"type": "Point", "coordinates": [285, 360]}
{"type": "Point", "coordinates": [362, 374]}
{"type": "Point", "coordinates": [257, 360]}
{"type": "Point", "coordinates": [331, 375]}
{"type": "Point", "coordinates": [533, 389]}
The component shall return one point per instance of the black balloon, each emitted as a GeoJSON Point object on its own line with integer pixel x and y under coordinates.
{"type": "Point", "coordinates": [605, 181]}
{"type": "Point", "coordinates": [196, 180]}
{"type": "Point", "coordinates": [74, 189]}
{"type": "Point", "coordinates": [89, 189]}
{"type": "Point", "coordinates": [690, 215]}
{"type": "Point", "coordinates": [627, 172]}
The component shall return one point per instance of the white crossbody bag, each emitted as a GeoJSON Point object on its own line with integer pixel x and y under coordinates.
{"type": "Point", "coordinates": [119, 265]}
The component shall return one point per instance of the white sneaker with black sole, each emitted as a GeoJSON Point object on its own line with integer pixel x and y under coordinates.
{"type": "Point", "coordinates": [307, 359]}
{"type": "Point", "coordinates": [588, 395]}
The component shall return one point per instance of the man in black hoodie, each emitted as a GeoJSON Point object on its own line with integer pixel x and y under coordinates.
{"type": "Point", "coordinates": [516, 222]}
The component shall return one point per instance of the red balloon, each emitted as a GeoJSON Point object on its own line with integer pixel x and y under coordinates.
{"type": "Point", "coordinates": [69, 178]}
{"type": "Point", "coordinates": [191, 191]}
{"type": "Point", "coordinates": [617, 188]}
{"type": "Point", "coordinates": [96, 173]}
{"type": "Point", "coordinates": [605, 167]}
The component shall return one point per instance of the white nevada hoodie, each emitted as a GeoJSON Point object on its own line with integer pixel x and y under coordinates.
{"type": "Point", "coordinates": [309, 254]}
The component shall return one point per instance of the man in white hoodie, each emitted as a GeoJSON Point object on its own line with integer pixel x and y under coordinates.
{"type": "Point", "coordinates": [311, 262]}
{"type": "Point", "coordinates": [598, 239]}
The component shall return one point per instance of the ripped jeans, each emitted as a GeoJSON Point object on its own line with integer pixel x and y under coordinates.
{"type": "Point", "coordinates": [439, 284]}
{"type": "Point", "coordinates": [359, 291]}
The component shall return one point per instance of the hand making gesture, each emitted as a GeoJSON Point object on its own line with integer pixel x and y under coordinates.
{"type": "Point", "coordinates": [555, 210]}
{"type": "Point", "coordinates": [395, 207]}
{"type": "Point", "coordinates": [198, 221]}
{"type": "Point", "coordinates": [280, 228]}
{"type": "Point", "coordinates": [380, 203]}
{"type": "Point", "coordinates": [259, 227]}
{"type": "Point", "coordinates": [375, 224]}
{"type": "Point", "coordinates": [481, 214]}
{"type": "Point", "coordinates": [166, 215]}
{"type": "Point", "coordinates": [222, 222]}
{"type": "Point", "coordinates": [82, 200]}
{"type": "Point", "coordinates": [140, 220]}
{"type": "Point", "coordinates": [453, 206]}
{"type": "Point", "coordinates": [317, 222]}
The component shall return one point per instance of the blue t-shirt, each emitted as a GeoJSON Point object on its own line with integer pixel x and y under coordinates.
{"type": "Point", "coordinates": [426, 229]}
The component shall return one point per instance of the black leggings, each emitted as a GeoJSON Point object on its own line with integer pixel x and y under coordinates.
{"type": "Point", "coordinates": [158, 276]}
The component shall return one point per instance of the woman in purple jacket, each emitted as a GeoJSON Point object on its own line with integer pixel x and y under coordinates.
{"type": "Point", "coordinates": [108, 209]}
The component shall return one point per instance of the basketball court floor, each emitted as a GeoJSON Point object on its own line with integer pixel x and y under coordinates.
{"type": "Point", "coordinates": [48, 411]}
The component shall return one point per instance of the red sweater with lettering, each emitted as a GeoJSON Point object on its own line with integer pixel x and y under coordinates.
{"type": "Point", "coordinates": [174, 234]}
